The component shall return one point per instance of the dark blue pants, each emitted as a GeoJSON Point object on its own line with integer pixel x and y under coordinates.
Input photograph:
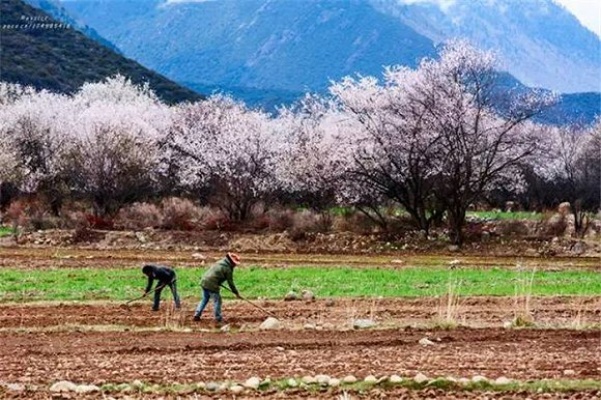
{"type": "Point", "coordinates": [206, 295]}
{"type": "Point", "coordinates": [157, 295]}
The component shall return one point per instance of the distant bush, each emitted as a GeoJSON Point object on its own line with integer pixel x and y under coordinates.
{"type": "Point", "coordinates": [139, 216]}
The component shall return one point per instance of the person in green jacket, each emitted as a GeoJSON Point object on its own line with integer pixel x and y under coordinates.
{"type": "Point", "coordinates": [211, 282]}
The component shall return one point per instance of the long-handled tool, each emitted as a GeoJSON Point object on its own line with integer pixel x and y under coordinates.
{"type": "Point", "coordinates": [126, 304]}
{"type": "Point", "coordinates": [251, 303]}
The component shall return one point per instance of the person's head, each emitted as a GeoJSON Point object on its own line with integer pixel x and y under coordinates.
{"type": "Point", "coordinates": [233, 258]}
{"type": "Point", "coordinates": [147, 270]}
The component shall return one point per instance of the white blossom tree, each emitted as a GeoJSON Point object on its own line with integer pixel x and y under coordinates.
{"type": "Point", "coordinates": [432, 140]}
{"type": "Point", "coordinates": [572, 168]}
{"type": "Point", "coordinates": [220, 146]}
{"type": "Point", "coordinates": [113, 154]}
{"type": "Point", "coordinates": [312, 154]}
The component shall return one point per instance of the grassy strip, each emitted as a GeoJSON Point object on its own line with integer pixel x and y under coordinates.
{"type": "Point", "coordinates": [6, 231]}
{"type": "Point", "coordinates": [125, 283]}
{"type": "Point", "coordinates": [532, 386]}
{"type": "Point", "coordinates": [506, 215]}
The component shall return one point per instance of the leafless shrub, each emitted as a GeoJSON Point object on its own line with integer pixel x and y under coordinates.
{"type": "Point", "coordinates": [180, 214]}
{"type": "Point", "coordinates": [139, 216]}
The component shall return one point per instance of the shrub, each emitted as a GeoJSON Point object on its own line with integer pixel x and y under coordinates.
{"type": "Point", "coordinates": [139, 216]}
{"type": "Point", "coordinates": [180, 214]}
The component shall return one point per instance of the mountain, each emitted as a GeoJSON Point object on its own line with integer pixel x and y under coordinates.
{"type": "Point", "coordinates": [38, 50]}
{"type": "Point", "coordinates": [259, 45]}
{"type": "Point", "coordinates": [56, 11]}
{"type": "Point", "coordinates": [265, 51]}
{"type": "Point", "coordinates": [539, 42]}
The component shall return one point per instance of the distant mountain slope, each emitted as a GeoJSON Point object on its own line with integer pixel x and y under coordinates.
{"type": "Point", "coordinates": [62, 59]}
{"type": "Point", "coordinates": [266, 52]}
{"type": "Point", "coordinates": [56, 11]}
{"type": "Point", "coordinates": [262, 44]}
{"type": "Point", "coordinates": [538, 41]}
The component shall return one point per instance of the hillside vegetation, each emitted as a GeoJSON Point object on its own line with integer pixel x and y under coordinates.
{"type": "Point", "coordinates": [36, 51]}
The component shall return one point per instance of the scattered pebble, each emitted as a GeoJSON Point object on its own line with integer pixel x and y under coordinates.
{"type": "Point", "coordinates": [349, 379]}
{"type": "Point", "coordinates": [63, 386]}
{"type": "Point", "coordinates": [395, 379]}
{"type": "Point", "coordinates": [479, 378]}
{"type": "Point", "coordinates": [291, 296]}
{"type": "Point", "coordinates": [420, 378]}
{"type": "Point", "coordinates": [308, 295]}
{"type": "Point", "coordinates": [308, 380]}
{"type": "Point", "coordinates": [370, 379]}
{"type": "Point", "coordinates": [252, 383]}
{"type": "Point", "coordinates": [363, 323]}
{"type": "Point", "coordinates": [502, 381]}
{"type": "Point", "coordinates": [292, 383]}
{"type": "Point", "coordinates": [426, 342]}
{"type": "Point", "coordinates": [322, 379]}
{"type": "Point", "coordinates": [236, 389]}
{"type": "Point", "coordinates": [270, 323]}
{"type": "Point", "coordinates": [15, 387]}
{"type": "Point", "coordinates": [87, 389]}
{"type": "Point", "coordinates": [334, 382]}
{"type": "Point", "coordinates": [569, 372]}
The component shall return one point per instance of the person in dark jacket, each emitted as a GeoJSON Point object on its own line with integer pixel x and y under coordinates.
{"type": "Point", "coordinates": [165, 276]}
{"type": "Point", "coordinates": [211, 282]}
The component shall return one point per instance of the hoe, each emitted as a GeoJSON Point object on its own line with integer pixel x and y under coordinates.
{"type": "Point", "coordinates": [251, 303]}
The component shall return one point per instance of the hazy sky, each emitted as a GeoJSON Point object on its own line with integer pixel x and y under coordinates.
{"type": "Point", "coordinates": [587, 11]}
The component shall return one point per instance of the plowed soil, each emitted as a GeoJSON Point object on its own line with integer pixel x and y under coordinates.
{"type": "Point", "coordinates": [106, 342]}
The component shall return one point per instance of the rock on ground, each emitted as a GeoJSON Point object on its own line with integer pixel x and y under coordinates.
{"type": "Point", "coordinates": [270, 323]}
{"type": "Point", "coordinates": [252, 383]}
{"type": "Point", "coordinates": [363, 323]}
{"type": "Point", "coordinates": [63, 386]}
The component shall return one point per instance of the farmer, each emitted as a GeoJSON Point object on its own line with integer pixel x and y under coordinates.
{"type": "Point", "coordinates": [211, 282]}
{"type": "Point", "coordinates": [165, 277]}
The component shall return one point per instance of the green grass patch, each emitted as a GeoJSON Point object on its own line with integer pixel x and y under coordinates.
{"type": "Point", "coordinates": [506, 215]}
{"type": "Point", "coordinates": [125, 283]}
{"type": "Point", "coordinates": [6, 231]}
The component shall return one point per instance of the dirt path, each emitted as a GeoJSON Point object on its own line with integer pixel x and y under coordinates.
{"type": "Point", "coordinates": [52, 257]}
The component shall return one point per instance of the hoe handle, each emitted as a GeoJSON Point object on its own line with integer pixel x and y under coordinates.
{"type": "Point", "coordinates": [250, 302]}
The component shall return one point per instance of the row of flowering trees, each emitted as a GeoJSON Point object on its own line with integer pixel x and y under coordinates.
{"type": "Point", "coordinates": [430, 140]}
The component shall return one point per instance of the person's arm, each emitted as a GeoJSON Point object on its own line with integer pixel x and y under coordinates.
{"type": "Point", "coordinates": [149, 285]}
{"type": "Point", "coordinates": [230, 282]}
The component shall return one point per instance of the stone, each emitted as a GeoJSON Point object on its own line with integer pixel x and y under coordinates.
{"type": "Point", "coordinates": [308, 380]}
{"type": "Point", "coordinates": [395, 379]}
{"type": "Point", "coordinates": [236, 389]}
{"type": "Point", "coordinates": [15, 387]}
{"type": "Point", "coordinates": [212, 386]}
{"type": "Point", "coordinates": [252, 383]}
{"type": "Point", "coordinates": [199, 256]}
{"type": "Point", "coordinates": [292, 383]}
{"type": "Point", "coordinates": [270, 324]}
{"type": "Point", "coordinates": [225, 328]}
{"type": "Point", "coordinates": [349, 379]}
{"type": "Point", "coordinates": [464, 381]}
{"type": "Point", "coordinates": [397, 261]}
{"type": "Point", "coordinates": [87, 389]}
{"type": "Point", "coordinates": [426, 342]}
{"type": "Point", "coordinates": [308, 295]}
{"type": "Point", "coordinates": [479, 379]}
{"type": "Point", "coordinates": [569, 372]}
{"type": "Point", "coordinates": [382, 379]}
{"type": "Point", "coordinates": [502, 381]}
{"type": "Point", "coordinates": [291, 296]}
{"type": "Point", "coordinates": [63, 386]}
{"type": "Point", "coordinates": [322, 379]}
{"type": "Point", "coordinates": [137, 384]}
{"type": "Point", "coordinates": [309, 327]}
{"type": "Point", "coordinates": [334, 382]}
{"type": "Point", "coordinates": [420, 378]}
{"type": "Point", "coordinates": [363, 323]}
{"type": "Point", "coordinates": [370, 379]}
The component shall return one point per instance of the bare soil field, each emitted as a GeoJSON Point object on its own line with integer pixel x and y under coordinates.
{"type": "Point", "coordinates": [167, 355]}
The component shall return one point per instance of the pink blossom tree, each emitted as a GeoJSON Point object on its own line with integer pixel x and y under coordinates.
{"type": "Point", "coordinates": [221, 147]}
{"type": "Point", "coordinates": [432, 140]}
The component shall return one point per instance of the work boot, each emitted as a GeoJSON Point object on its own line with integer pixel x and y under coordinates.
{"type": "Point", "coordinates": [155, 309]}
